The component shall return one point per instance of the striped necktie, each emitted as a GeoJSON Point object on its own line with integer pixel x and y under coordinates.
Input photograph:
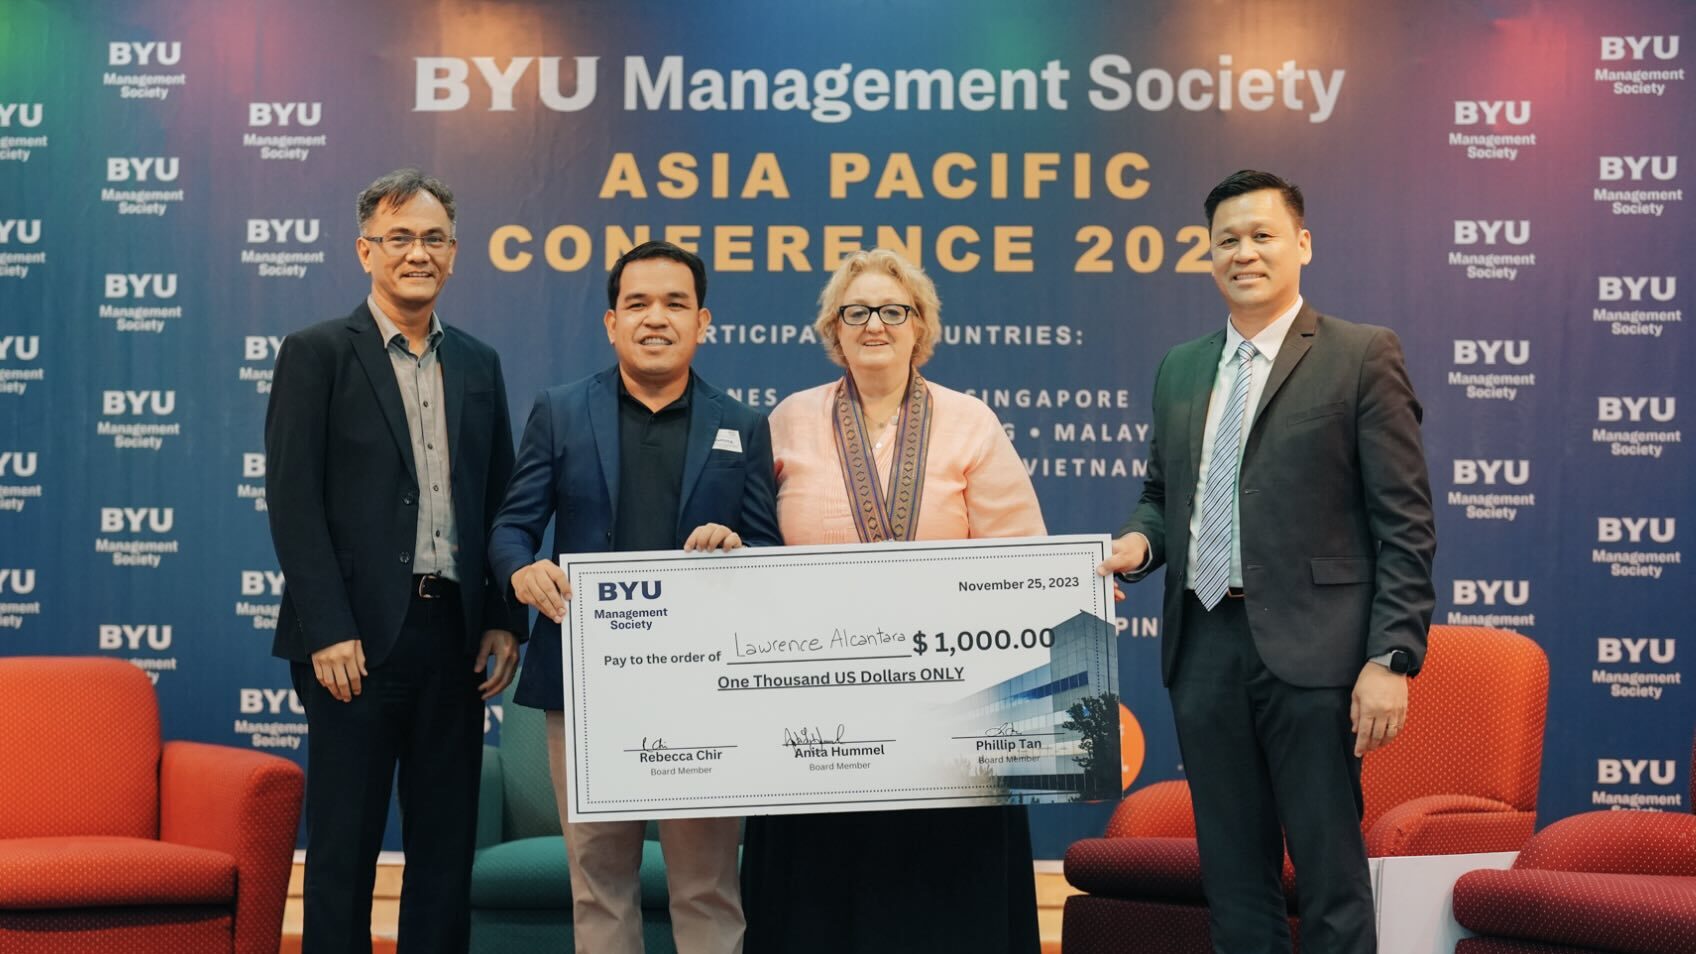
{"type": "Point", "coordinates": [1213, 550]}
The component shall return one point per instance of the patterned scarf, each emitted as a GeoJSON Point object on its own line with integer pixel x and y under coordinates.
{"type": "Point", "coordinates": [878, 516]}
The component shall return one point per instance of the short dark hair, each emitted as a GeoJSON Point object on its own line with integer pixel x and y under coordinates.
{"type": "Point", "coordinates": [649, 250]}
{"type": "Point", "coordinates": [1245, 181]}
{"type": "Point", "coordinates": [398, 188]}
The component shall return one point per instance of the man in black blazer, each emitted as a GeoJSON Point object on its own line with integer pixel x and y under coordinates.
{"type": "Point", "coordinates": [644, 455]}
{"type": "Point", "coordinates": [1287, 498]}
{"type": "Point", "coordinates": [387, 448]}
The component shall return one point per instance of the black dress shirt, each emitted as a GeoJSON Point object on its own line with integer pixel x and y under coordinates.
{"type": "Point", "coordinates": [651, 445]}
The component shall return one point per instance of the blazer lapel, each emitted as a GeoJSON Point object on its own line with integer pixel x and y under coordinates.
{"type": "Point", "coordinates": [373, 355]}
{"type": "Point", "coordinates": [1295, 347]}
{"type": "Point", "coordinates": [705, 413]}
{"type": "Point", "coordinates": [603, 419]}
{"type": "Point", "coordinates": [452, 360]}
{"type": "Point", "coordinates": [1202, 371]}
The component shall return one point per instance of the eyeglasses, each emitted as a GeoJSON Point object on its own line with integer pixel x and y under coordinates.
{"type": "Point", "coordinates": [401, 243]}
{"type": "Point", "coordinates": [891, 314]}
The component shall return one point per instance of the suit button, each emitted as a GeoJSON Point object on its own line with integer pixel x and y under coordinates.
{"type": "Point", "coordinates": [405, 557]}
{"type": "Point", "coordinates": [408, 499]}
{"type": "Point", "coordinates": [609, 535]}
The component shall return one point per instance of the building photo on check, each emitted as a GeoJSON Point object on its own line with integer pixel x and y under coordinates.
{"type": "Point", "coordinates": [848, 478]}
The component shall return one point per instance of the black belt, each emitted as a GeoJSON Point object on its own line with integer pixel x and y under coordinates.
{"type": "Point", "coordinates": [432, 586]}
{"type": "Point", "coordinates": [1231, 592]}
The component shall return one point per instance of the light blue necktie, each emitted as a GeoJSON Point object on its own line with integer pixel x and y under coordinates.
{"type": "Point", "coordinates": [1213, 549]}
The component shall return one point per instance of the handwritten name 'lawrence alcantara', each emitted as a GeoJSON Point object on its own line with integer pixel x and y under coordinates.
{"type": "Point", "coordinates": [839, 639]}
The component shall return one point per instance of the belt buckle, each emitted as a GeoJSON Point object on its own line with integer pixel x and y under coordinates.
{"type": "Point", "coordinates": [1234, 592]}
{"type": "Point", "coordinates": [426, 587]}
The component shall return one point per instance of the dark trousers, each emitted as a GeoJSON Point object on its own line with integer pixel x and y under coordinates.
{"type": "Point", "coordinates": [419, 710]}
{"type": "Point", "coordinates": [1269, 763]}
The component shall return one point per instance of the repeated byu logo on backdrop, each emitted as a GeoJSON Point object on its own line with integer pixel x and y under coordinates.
{"type": "Point", "coordinates": [17, 486]}
{"type": "Point", "coordinates": [133, 419]}
{"type": "Point", "coordinates": [20, 133]}
{"type": "Point", "coordinates": [143, 172]}
{"type": "Point", "coordinates": [1639, 65]}
{"type": "Point", "coordinates": [16, 256]}
{"type": "Point", "coordinates": [277, 247]}
{"type": "Point", "coordinates": [252, 469]}
{"type": "Point", "coordinates": [1650, 199]}
{"type": "Point", "coordinates": [1659, 775]}
{"type": "Point", "coordinates": [285, 144]}
{"type": "Point", "coordinates": [278, 720]}
{"type": "Point", "coordinates": [1504, 136]}
{"type": "Point", "coordinates": [1490, 248]}
{"type": "Point", "coordinates": [1492, 385]}
{"type": "Point", "coordinates": [152, 639]}
{"type": "Point", "coordinates": [1494, 489]}
{"type": "Point", "coordinates": [259, 358]}
{"type": "Point", "coordinates": [261, 593]}
{"type": "Point", "coordinates": [1500, 603]}
{"type": "Point", "coordinates": [1627, 304]}
{"type": "Point", "coordinates": [140, 302]}
{"type": "Point", "coordinates": [17, 584]}
{"type": "Point", "coordinates": [18, 368]}
{"type": "Point", "coordinates": [137, 536]}
{"type": "Point", "coordinates": [1640, 667]}
{"type": "Point", "coordinates": [137, 68]}
{"type": "Point", "coordinates": [1636, 425]}
{"type": "Point", "coordinates": [1636, 546]}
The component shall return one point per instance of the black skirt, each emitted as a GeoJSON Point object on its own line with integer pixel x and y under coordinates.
{"type": "Point", "coordinates": [957, 879]}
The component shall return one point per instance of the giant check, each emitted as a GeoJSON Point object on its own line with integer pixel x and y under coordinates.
{"type": "Point", "coordinates": [831, 678]}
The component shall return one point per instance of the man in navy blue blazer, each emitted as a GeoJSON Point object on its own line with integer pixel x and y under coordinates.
{"type": "Point", "coordinates": [642, 456]}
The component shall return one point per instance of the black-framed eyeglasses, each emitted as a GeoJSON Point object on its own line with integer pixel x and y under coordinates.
{"type": "Point", "coordinates": [890, 314]}
{"type": "Point", "coordinates": [401, 243]}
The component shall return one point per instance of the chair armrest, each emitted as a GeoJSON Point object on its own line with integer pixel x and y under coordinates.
{"type": "Point", "coordinates": [1166, 868]}
{"type": "Point", "coordinates": [491, 800]}
{"type": "Point", "coordinates": [1642, 843]}
{"type": "Point", "coordinates": [243, 803]}
{"type": "Point", "coordinates": [1578, 911]}
{"type": "Point", "coordinates": [1449, 825]}
{"type": "Point", "coordinates": [1161, 810]}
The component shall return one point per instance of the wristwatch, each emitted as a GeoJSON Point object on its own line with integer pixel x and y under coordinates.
{"type": "Point", "coordinates": [1396, 660]}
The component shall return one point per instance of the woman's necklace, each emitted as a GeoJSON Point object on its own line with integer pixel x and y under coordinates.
{"type": "Point", "coordinates": [885, 429]}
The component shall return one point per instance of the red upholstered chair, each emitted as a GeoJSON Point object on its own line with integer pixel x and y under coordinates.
{"type": "Point", "coordinates": [110, 841]}
{"type": "Point", "coordinates": [1462, 777]}
{"type": "Point", "coordinates": [1600, 881]}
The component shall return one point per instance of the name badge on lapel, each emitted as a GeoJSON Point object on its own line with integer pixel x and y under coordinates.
{"type": "Point", "coordinates": [728, 440]}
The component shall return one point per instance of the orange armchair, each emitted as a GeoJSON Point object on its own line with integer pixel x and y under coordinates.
{"type": "Point", "coordinates": [112, 841]}
{"type": "Point", "coordinates": [1607, 880]}
{"type": "Point", "coordinates": [1462, 777]}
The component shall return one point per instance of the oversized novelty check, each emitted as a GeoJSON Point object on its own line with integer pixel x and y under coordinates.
{"type": "Point", "coordinates": [835, 678]}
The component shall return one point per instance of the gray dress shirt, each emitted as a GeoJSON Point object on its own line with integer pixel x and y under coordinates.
{"type": "Point", "coordinates": [420, 380]}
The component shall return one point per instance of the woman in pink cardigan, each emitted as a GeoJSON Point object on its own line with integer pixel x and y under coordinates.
{"type": "Point", "coordinates": [884, 454]}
